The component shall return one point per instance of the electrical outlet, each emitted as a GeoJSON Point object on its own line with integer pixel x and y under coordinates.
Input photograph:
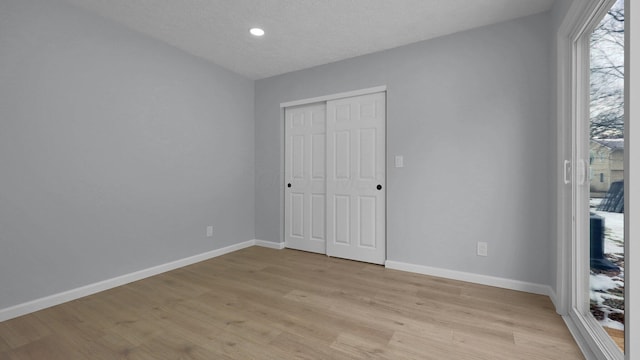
{"type": "Point", "coordinates": [209, 231]}
{"type": "Point", "coordinates": [482, 248]}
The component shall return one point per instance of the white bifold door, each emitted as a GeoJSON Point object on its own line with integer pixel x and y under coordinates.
{"type": "Point", "coordinates": [335, 178]}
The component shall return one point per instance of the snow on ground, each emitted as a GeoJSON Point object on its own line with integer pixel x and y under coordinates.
{"type": "Point", "coordinates": [612, 324]}
{"type": "Point", "coordinates": [607, 289]}
{"type": "Point", "coordinates": [601, 282]}
{"type": "Point", "coordinates": [605, 300]}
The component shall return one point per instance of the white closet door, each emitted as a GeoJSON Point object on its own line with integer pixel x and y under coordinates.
{"type": "Point", "coordinates": [356, 178]}
{"type": "Point", "coordinates": [305, 168]}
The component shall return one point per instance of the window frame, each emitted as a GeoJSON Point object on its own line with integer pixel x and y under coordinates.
{"type": "Point", "coordinates": [573, 265]}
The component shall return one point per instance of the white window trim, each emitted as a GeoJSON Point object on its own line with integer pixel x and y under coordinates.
{"type": "Point", "coordinates": [632, 194]}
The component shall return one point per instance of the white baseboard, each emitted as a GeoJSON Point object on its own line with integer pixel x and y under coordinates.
{"type": "Point", "coordinates": [269, 244]}
{"type": "Point", "coordinates": [554, 298]}
{"type": "Point", "coordinates": [470, 277]}
{"type": "Point", "coordinates": [56, 299]}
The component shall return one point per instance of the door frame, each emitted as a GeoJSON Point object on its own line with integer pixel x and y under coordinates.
{"type": "Point", "coordinates": [317, 99]}
{"type": "Point", "coordinates": [572, 253]}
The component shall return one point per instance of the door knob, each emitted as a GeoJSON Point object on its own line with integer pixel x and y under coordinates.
{"type": "Point", "coordinates": [289, 185]}
{"type": "Point", "coordinates": [379, 187]}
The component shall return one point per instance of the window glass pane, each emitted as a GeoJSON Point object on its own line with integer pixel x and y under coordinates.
{"type": "Point", "coordinates": [607, 146]}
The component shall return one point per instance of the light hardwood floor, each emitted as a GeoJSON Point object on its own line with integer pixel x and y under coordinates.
{"type": "Point", "coordinates": [260, 303]}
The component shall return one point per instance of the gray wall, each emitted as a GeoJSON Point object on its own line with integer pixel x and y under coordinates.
{"type": "Point", "coordinates": [116, 151]}
{"type": "Point", "coordinates": [470, 112]}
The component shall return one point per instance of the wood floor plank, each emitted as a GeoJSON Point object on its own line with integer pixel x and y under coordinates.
{"type": "Point", "coordinates": [260, 303]}
{"type": "Point", "coordinates": [23, 330]}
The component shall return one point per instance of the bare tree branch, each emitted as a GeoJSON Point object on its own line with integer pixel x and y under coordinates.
{"type": "Point", "coordinates": [607, 76]}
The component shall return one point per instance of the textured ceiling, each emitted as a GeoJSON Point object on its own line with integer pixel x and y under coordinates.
{"type": "Point", "coordinates": [302, 33]}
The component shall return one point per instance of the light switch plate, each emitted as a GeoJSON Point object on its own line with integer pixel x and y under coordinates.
{"type": "Point", "coordinates": [482, 248]}
{"type": "Point", "coordinates": [399, 161]}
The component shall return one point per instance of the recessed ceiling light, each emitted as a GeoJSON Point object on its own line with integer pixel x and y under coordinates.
{"type": "Point", "coordinates": [256, 31]}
